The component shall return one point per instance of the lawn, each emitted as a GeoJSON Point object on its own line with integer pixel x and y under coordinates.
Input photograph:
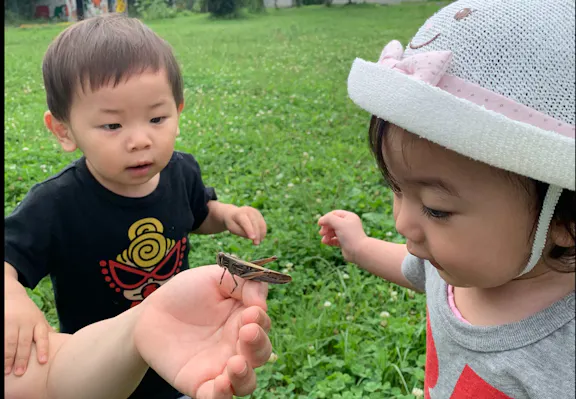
{"type": "Point", "coordinates": [268, 118]}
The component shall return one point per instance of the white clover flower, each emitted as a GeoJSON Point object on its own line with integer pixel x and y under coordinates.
{"type": "Point", "coordinates": [25, 149]}
{"type": "Point", "coordinates": [345, 276]}
{"type": "Point", "coordinates": [384, 314]}
{"type": "Point", "coordinates": [290, 185]}
{"type": "Point", "coordinates": [418, 392]}
{"type": "Point", "coordinates": [327, 304]}
{"type": "Point", "coordinates": [273, 357]}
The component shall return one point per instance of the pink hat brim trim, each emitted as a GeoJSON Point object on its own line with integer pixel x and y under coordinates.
{"type": "Point", "coordinates": [503, 105]}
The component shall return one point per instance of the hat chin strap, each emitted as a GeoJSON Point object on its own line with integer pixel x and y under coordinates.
{"type": "Point", "coordinates": [550, 201]}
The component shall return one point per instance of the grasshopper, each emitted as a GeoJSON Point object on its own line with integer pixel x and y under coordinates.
{"type": "Point", "coordinates": [252, 270]}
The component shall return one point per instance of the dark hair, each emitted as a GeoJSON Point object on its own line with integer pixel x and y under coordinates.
{"type": "Point", "coordinates": [564, 213]}
{"type": "Point", "coordinates": [101, 50]}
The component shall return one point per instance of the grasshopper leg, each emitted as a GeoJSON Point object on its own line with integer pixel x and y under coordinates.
{"type": "Point", "coordinates": [235, 282]}
{"type": "Point", "coordinates": [261, 262]}
{"type": "Point", "coordinates": [222, 278]}
{"type": "Point", "coordinates": [252, 275]}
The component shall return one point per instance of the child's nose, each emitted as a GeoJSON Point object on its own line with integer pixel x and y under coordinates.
{"type": "Point", "coordinates": [406, 217]}
{"type": "Point", "coordinates": [138, 140]}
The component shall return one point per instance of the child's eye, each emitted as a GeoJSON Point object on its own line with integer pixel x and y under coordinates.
{"type": "Point", "coordinates": [111, 126]}
{"type": "Point", "coordinates": [157, 120]}
{"type": "Point", "coordinates": [435, 214]}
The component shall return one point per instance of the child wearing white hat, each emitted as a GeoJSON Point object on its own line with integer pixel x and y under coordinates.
{"type": "Point", "coordinates": [473, 128]}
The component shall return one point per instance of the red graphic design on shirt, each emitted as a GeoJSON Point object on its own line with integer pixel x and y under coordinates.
{"type": "Point", "coordinates": [431, 369]}
{"type": "Point", "coordinates": [150, 260]}
{"type": "Point", "coordinates": [469, 386]}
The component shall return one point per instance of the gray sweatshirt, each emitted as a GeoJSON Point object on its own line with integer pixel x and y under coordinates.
{"type": "Point", "coordinates": [533, 358]}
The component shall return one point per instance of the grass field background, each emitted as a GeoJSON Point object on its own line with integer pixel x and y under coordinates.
{"type": "Point", "coordinates": [268, 118]}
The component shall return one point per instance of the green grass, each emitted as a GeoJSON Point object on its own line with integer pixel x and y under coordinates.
{"type": "Point", "coordinates": [268, 118]}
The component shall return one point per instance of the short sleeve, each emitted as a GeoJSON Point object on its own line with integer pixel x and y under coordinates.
{"type": "Point", "coordinates": [29, 236]}
{"type": "Point", "coordinates": [415, 272]}
{"type": "Point", "coordinates": [198, 193]}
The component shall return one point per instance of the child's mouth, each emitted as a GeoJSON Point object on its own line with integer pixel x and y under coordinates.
{"type": "Point", "coordinates": [140, 170]}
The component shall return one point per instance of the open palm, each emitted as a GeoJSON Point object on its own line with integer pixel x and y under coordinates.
{"type": "Point", "coordinates": [190, 329]}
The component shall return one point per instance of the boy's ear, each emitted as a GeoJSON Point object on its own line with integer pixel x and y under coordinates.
{"type": "Point", "coordinates": [180, 108]}
{"type": "Point", "coordinates": [61, 131]}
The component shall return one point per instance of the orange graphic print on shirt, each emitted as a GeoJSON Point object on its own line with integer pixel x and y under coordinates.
{"type": "Point", "coordinates": [149, 261]}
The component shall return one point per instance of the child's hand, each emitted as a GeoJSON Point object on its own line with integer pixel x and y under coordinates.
{"type": "Point", "coordinates": [342, 229]}
{"type": "Point", "coordinates": [24, 324]}
{"type": "Point", "coordinates": [246, 222]}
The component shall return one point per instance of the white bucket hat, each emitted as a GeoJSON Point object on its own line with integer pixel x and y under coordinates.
{"type": "Point", "coordinates": [492, 80]}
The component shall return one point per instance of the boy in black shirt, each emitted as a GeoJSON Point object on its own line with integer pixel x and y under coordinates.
{"type": "Point", "coordinates": [111, 227]}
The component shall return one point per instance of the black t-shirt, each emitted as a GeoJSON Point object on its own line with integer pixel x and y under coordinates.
{"type": "Point", "coordinates": [105, 253]}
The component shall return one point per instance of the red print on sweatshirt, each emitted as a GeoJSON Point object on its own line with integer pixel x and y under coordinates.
{"type": "Point", "coordinates": [469, 386]}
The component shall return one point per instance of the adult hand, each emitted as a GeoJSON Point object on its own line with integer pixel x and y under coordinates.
{"type": "Point", "coordinates": [202, 338]}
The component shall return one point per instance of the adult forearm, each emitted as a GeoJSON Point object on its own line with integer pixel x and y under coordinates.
{"type": "Point", "coordinates": [383, 259]}
{"type": "Point", "coordinates": [100, 361]}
